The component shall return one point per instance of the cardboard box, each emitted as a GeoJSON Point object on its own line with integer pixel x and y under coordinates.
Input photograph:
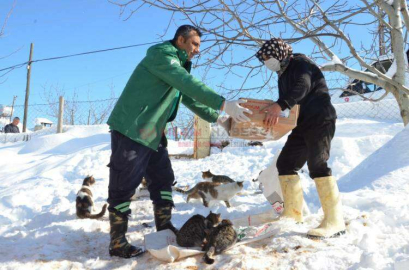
{"type": "Point", "coordinates": [255, 129]}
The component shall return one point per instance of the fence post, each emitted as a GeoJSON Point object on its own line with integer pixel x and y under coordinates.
{"type": "Point", "coordinates": [89, 117]}
{"type": "Point", "coordinates": [60, 115]}
{"type": "Point", "coordinates": [72, 117]}
{"type": "Point", "coordinates": [202, 134]}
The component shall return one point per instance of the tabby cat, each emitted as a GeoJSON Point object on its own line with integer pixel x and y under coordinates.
{"type": "Point", "coordinates": [216, 178]}
{"type": "Point", "coordinates": [84, 202]}
{"type": "Point", "coordinates": [209, 191]}
{"type": "Point", "coordinates": [193, 233]}
{"type": "Point", "coordinates": [219, 239]}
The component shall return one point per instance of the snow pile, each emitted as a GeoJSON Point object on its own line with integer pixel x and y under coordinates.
{"type": "Point", "coordinates": [5, 111]}
{"type": "Point", "coordinates": [385, 109]}
{"type": "Point", "coordinates": [39, 121]}
{"type": "Point", "coordinates": [392, 70]}
{"type": "Point", "coordinates": [182, 147]}
{"type": "Point", "coordinates": [389, 2]}
{"type": "Point", "coordinates": [389, 162]}
{"type": "Point", "coordinates": [39, 181]}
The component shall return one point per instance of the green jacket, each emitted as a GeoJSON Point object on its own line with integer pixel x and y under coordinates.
{"type": "Point", "coordinates": [153, 93]}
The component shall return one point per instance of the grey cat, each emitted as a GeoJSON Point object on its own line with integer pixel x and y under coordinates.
{"type": "Point", "coordinates": [212, 191]}
{"type": "Point", "coordinates": [193, 233]}
{"type": "Point", "coordinates": [217, 178]}
{"type": "Point", "coordinates": [219, 239]}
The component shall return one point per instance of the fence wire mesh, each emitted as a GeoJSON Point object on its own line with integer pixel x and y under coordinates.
{"type": "Point", "coordinates": [44, 116]}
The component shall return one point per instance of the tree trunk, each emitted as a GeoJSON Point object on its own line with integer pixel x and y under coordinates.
{"type": "Point", "coordinates": [403, 102]}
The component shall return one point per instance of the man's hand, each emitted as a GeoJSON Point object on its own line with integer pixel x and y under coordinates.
{"type": "Point", "coordinates": [272, 114]}
{"type": "Point", "coordinates": [224, 122]}
{"type": "Point", "coordinates": [236, 111]}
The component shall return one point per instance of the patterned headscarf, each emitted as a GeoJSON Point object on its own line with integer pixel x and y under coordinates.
{"type": "Point", "coordinates": [276, 48]}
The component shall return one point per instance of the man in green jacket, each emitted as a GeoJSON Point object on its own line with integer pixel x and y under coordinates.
{"type": "Point", "coordinates": [149, 101]}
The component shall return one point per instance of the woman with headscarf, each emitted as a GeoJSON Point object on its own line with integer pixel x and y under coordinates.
{"type": "Point", "coordinates": [300, 81]}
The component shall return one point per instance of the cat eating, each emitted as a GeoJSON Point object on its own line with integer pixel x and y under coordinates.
{"type": "Point", "coordinates": [209, 191]}
{"type": "Point", "coordinates": [192, 233]}
{"type": "Point", "coordinates": [84, 202]}
{"type": "Point", "coordinates": [219, 239]}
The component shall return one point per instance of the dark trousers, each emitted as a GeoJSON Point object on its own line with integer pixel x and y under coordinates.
{"type": "Point", "coordinates": [130, 162]}
{"type": "Point", "coordinates": [310, 145]}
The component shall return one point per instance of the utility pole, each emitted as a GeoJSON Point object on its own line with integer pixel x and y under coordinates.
{"type": "Point", "coordinates": [12, 107]}
{"type": "Point", "coordinates": [27, 89]}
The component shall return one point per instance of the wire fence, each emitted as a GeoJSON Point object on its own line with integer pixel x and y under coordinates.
{"type": "Point", "coordinates": [43, 117]}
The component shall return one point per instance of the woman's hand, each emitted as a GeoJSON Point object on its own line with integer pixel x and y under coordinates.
{"type": "Point", "coordinates": [272, 114]}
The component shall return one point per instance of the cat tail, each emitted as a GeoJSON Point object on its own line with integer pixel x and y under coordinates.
{"type": "Point", "coordinates": [208, 255]}
{"type": "Point", "coordinates": [190, 191]}
{"type": "Point", "coordinates": [99, 215]}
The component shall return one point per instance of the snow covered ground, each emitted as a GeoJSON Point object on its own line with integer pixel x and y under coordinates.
{"type": "Point", "coordinates": [39, 180]}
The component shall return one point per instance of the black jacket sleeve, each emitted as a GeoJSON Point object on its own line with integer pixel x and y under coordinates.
{"type": "Point", "coordinates": [297, 87]}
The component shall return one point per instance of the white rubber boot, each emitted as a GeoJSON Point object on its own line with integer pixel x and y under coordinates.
{"type": "Point", "coordinates": [293, 197]}
{"type": "Point", "coordinates": [333, 224]}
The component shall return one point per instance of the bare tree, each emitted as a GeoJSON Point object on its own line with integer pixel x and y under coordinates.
{"type": "Point", "coordinates": [77, 112]}
{"type": "Point", "coordinates": [99, 110]}
{"type": "Point", "coordinates": [320, 20]}
{"type": "Point", "coordinates": [6, 19]}
{"type": "Point", "coordinates": [51, 95]}
{"type": "Point", "coordinates": [239, 25]}
{"type": "Point", "coordinates": [2, 31]}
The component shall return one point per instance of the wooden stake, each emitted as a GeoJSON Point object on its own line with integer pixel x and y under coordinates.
{"type": "Point", "coordinates": [27, 88]}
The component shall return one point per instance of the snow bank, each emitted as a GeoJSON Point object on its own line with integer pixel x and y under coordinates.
{"type": "Point", "coordinates": [378, 188]}
{"type": "Point", "coordinates": [383, 168]}
{"type": "Point", "coordinates": [39, 121]}
{"type": "Point", "coordinates": [39, 181]}
{"type": "Point", "coordinates": [381, 110]}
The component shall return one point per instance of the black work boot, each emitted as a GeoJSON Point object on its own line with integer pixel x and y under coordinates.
{"type": "Point", "coordinates": [163, 215]}
{"type": "Point", "coordinates": [119, 246]}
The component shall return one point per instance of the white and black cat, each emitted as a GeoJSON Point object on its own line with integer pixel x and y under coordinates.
{"type": "Point", "coordinates": [84, 202]}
